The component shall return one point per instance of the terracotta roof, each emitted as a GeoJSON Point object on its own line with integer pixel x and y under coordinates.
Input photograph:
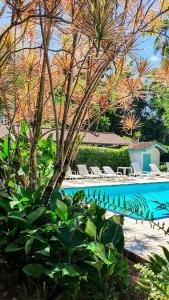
{"type": "Point", "coordinates": [145, 145]}
{"type": "Point", "coordinates": [90, 138]}
{"type": "Point", "coordinates": [93, 138]}
{"type": "Point", "coordinates": [102, 138]}
{"type": "Point", "coordinates": [3, 130]}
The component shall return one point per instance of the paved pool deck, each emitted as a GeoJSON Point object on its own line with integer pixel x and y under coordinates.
{"type": "Point", "coordinates": [140, 238]}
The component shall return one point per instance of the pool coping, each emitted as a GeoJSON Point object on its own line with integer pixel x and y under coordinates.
{"type": "Point", "coordinates": [90, 183]}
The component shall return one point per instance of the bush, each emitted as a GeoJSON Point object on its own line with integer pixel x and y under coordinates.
{"type": "Point", "coordinates": [163, 168]}
{"type": "Point", "coordinates": [68, 249]}
{"type": "Point", "coordinates": [154, 277]}
{"type": "Point", "coordinates": [101, 156]}
{"type": "Point", "coordinates": [14, 169]}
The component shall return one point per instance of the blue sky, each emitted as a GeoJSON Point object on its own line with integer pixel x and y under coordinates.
{"type": "Point", "coordinates": [146, 50]}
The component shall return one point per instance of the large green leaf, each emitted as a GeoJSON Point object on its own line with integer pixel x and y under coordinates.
{"type": "Point", "coordinates": [90, 229]}
{"type": "Point", "coordinates": [4, 195]}
{"type": "Point", "coordinates": [96, 264]}
{"type": "Point", "coordinates": [24, 129]}
{"type": "Point", "coordinates": [19, 220]}
{"type": "Point", "coordinates": [4, 205]}
{"type": "Point", "coordinates": [6, 146]}
{"type": "Point", "coordinates": [113, 233]}
{"type": "Point", "coordinates": [78, 197]}
{"type": "Point", "coordinates": [12, 247]}
{"type": "Point", "coordinates": [35, 270]}
{"type": "Point", "coordinates": [36, 214]}
{"type": "Point", "coordinates": [98, 249]}
{"type": "Point", "coordinates": [62, 210]}
{"type": "Point", "coordinates": [66, 270]}
{"type": "Point", "coordinates": [14, 203]}
{"type": "Point", "coordinates": [56, 195]}
{"type": "Point", "coordinates": [28, 245]}
{"type": "Point", "coordinates": [45, 251]}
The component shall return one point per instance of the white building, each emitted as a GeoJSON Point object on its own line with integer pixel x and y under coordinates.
{"type": "Point", "coordinates": [145, 153]}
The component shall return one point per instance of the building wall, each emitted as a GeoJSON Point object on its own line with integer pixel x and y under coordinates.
{"type": "Point", "coordinates": [155, 156]}
{"type": "Point", "coordinates": [137, 156]}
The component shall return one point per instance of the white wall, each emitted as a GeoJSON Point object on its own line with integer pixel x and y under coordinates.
{"type": "Point", "coordinates": [155, 156]}
{"type": "Point", "coordinates": [138, 157]}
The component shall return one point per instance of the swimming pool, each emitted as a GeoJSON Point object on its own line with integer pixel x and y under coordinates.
{"type": "Point", "coordinates": [147, 194]}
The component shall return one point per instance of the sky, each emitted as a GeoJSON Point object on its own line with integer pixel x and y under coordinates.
{"type": "Point", "coordinates": [146, 50]}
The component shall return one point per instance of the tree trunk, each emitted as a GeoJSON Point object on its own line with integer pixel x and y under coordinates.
{"type": "Point", "coordinates": [55, 182]}
{"type": "Point", "coordinates": [39, 111]}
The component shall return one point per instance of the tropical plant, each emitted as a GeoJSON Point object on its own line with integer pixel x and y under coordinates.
{"type": "Point", "coordinates": [154, 276]}
{"type": "Point", "coordinates": [68, 248]}
{"type": "Point", "coordinates": [67, 60]}
{"type": "Point", "coordinates": [14, 168]}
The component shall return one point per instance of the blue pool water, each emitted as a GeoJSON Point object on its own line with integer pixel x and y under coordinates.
{"type": "Point", "coordinates": [146, 194]}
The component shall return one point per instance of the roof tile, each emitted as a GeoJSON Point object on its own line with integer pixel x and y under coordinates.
{"type": "Point", "coordinates": [93, 138]}
{"type": "Point", "coordinates": [141, 145]}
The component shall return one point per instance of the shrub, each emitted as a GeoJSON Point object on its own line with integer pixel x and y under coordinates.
{"type": "Point", "coordinates": [163, 168]}
{"type": "Point", "coordinates": [101, 156]}
{"type": "Point", "coordinates": [154, 277]}
{"type": "Point", "coordinates": [14, 169]}
{"type": "Point", "coordinates": [68, 249]}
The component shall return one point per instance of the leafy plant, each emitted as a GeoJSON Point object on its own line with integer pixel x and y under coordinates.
{"type": "Point", "coordinates": [14, 168]}
{"type": "Point", "coordinates": [154, 276]}
{"type": "Point", "coordinates": [68, 248]}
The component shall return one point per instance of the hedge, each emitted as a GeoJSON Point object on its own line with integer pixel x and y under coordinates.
{"type": "Point", "coordinates": [101, 156]}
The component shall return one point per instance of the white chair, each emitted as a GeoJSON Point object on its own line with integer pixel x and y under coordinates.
{"type": "Point", "coordinates": [109, 171]}
{"type": "Point", "coordinates": [83, 171]}
{"type": "Point", "coordinates": [71, 175]}
{"type": "Point", "coordinates": [167, 165]}
{"type": "Point", "coordinates": [137, 170]}
{"type": "Point", "coordinates": [156, 171]}
{"type": "Point", "coordinates": [99, 173]}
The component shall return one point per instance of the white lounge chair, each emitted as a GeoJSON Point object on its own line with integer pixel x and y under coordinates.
{"type": "Point", "coordinates": [71, 175]}
{"type": "Point", "coordinates": [156, 171]}
{"type": "Point", "coordinates": [167, 165]}
{"type": "Point", "coordinates": [99, 173]}
{"type": "Point", "coordinates": [109, 171]}
{"type": "Point", "coordinates": [137, 170]}
{"type": "Point", "coordinates": [83, 171]}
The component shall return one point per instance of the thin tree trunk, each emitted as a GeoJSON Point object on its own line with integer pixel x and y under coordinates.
{"type": "Point", "coordinates": [39, 112]}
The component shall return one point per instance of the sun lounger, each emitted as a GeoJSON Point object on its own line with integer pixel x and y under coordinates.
{"type": "Point", "coordinates": [167, 165]}
{"type": "Point", "coordinates": [109, 171]}
{"type": "Point", "coordinates": [137, 170]}
{"type": "Point", "coordinates": [156, 171]}
{"type": "Point", "coordinates": [83, 171]}
{"type": "Point", "coordinates": [71, 175]}
{"type": "Point", "coordinates": [99, 173]}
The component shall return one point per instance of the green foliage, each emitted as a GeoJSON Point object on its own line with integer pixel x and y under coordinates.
{"type": "Point", "coordinates": [163, 168]}
{"type": "Point", "coordinates": [154, 277]}
{"type": "Point", "coordinates": [69, 248]}
{"type": "Point", "coordinates": [101, 156]}
{"type": "Point", "coordinates": [15, 155]}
